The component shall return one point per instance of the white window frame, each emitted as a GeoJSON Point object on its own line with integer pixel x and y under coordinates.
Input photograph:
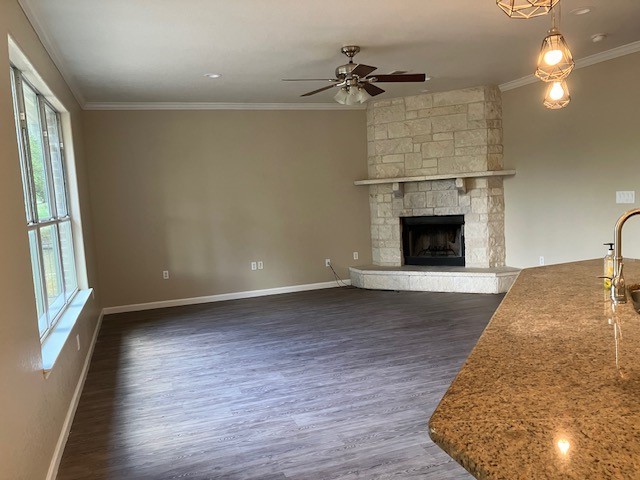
{"type": "Point", "coordinates": [35, 224]}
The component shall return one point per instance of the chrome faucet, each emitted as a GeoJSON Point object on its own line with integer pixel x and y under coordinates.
{"type": "Point", "coordinates": [618, 293]}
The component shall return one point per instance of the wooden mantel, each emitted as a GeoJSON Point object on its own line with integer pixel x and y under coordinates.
{"type": "Point", "coordinates": [444, 176]}
{"type": "Point", "coordinates": [398, 188]}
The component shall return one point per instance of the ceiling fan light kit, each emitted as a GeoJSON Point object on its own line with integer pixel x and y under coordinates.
{"type": "Point", "coordinates": [526, 8]}
{"type": "Point", "coordinates": [341, 96]}
{"type": "Point", "coordinates": [355, 82]}
{"type": "Point", "coordinates": [351, 95]}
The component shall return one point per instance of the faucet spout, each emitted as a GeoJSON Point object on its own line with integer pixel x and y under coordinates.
{"type": "Point", "coordinates": [618, 293]}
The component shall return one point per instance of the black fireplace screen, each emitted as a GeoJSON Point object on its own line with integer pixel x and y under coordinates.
{"type": "Point", "coordinates": [435, 240]}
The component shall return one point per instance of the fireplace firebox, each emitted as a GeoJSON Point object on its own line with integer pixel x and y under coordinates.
{"type": "Point", "coordinates": [436, 240]}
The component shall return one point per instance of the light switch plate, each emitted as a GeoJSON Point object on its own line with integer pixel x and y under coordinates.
{"type": "Point", "coordinates": [626, 197]}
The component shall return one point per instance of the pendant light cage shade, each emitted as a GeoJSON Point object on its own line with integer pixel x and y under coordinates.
{"type": "Point", "coordinates": [557, 95]}
{"type": "Point", "coordinates": [526, 8]}
{"type": "Point", "coordinates": [555, 61]}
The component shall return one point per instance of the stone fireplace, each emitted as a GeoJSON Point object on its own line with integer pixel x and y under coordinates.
{"type": "Point", "coordinates": [481, 205]}
{"type": "Point", "coordinates": [438, 155]}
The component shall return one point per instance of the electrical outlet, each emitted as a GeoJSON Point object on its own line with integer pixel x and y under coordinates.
{"type": "Point", "coordinates": [260, 265]}
{"type": "Point", "coordinates": [254, 265]}
{"type": "Point", "coordinates": [165, 274]}
{"type": "Point", "coordinates": [78, 341]}
{"type": "Point", "coordinates": [327, 262]}
{"type": "Point", "coordinates": [626, 197]}
{"type": "Point", "coordinates": [355, 255]}
{"type": "Point", "coordinates": [541, 261]}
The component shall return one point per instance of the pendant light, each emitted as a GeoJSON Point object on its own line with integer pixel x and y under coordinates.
{"type": "Point", "coordinates": [557, 95]}
{"type": "Point", "coordinates": [555, 61]}
{"type": "Point", "coordinates": [526, 8]}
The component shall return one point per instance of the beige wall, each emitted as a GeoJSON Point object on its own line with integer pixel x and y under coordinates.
{"type": "Point", "coordinates": [32, 408]}
{"type": "Point", "coordinates": [561, 203]}
{"type": "Point", "coordinates": [203, 193]}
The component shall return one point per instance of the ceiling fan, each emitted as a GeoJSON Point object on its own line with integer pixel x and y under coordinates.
{"type": "Point", "coordinates": [355, 81]}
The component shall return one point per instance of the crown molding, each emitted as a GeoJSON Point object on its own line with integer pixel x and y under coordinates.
{"type": "Point", "coordinates": [218, 106]}
{"type": "Point", "coordinates": [53, 51]}
{"type": "Point", "coordinates": [620, 51]}
{"type": "Point", "coordinates": [518, 82]}
{"type": "Point", "coordinates": [581, 63]}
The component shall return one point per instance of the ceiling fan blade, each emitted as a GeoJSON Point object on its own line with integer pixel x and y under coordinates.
{"type": "Point", "coordinates": [372, 89]}
{"type": "Point", "coordinates": [363, 70]}
{"type": "Point", "coordinates": [310, 80]}
{"type": "Point", "coordinates": [405, 77]}
{"type": "Point", "coordinates": [317, 91]}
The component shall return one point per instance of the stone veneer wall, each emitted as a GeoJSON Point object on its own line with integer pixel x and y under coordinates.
{"type": "Point", "coordinates": [441, 133]}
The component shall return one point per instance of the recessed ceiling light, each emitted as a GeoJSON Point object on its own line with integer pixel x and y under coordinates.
{"type": "Point", "coordinates": [598, 37]}
{"type": "Point", "coordinates": [212, 75]}
{"type": "Point", "coordinates": [581, 11]}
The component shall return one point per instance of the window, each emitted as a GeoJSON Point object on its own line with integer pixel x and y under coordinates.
{"type": "Point", "coordinates": [46, 198]}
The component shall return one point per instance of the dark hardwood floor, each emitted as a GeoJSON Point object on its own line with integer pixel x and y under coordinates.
{"type": "Point", "coordinates": [329, 384]}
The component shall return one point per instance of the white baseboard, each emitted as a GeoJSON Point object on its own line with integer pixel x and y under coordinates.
{"type": "Point", "coordinates": [222, 297]}
{"type": "Point", "coordinates": [66, 426]}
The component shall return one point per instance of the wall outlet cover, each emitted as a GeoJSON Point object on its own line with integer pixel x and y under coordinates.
{"type": "Point", "coordinates": [327, 262]}
{"type": "Point", "coordinates": [355, 255]}
{"type": "Point", "coordinates": [260, 265]}
{"type": "Point", "coordinates": [254, 265]}
{"type": "Point", "coordinates": [165, 274]}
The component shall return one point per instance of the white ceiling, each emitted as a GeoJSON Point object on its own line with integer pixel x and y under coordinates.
{"type": "Point", "coordinates": [158, 50]}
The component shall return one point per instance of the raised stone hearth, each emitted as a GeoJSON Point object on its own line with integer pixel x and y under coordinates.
{"type": "Point", "coordinates": [434, 279]}
{"type": "Point", "coordinates": [437, 154]}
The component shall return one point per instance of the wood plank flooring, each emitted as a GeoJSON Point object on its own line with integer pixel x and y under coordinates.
{"type": "Point", "coordinates": [331, 384]}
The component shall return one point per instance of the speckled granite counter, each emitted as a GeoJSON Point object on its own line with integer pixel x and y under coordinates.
{"type": "Point", "coordinates": [552, 388]}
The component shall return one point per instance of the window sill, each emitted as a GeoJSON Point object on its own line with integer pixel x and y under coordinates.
{"type": "Point", "coordinates": [56, 340]}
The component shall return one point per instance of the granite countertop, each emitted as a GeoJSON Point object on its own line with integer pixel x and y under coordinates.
{"type": "Point", "coordinates": [552, 388]}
